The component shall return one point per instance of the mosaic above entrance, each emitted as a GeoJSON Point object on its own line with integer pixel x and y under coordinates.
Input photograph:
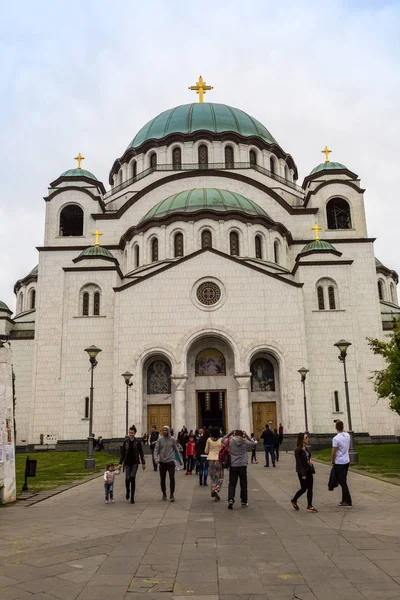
{"type": "Point", "coordinates": [210, 362]}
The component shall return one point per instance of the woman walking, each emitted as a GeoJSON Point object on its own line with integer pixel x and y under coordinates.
{"type": "Point", "coordinates": [304, 470]}
{"type": "Point", "coordinates": [201, 457]}
{"type": "Point", "coordinates": [215, 468]}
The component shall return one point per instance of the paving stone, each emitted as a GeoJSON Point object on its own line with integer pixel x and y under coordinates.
{"type": "Point", "coordinates": [5, 581]}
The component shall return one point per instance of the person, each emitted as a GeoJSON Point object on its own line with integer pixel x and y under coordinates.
{"type": "Point", "coordinates": [198, 433]}
{"type": "Point", "coordinates": [304, 471]}
{"type": "Point", "coordinates": [131, 456]}
{"type": "Point", "coordinates": [99, 444]}
{"type": "Point", "coordinates": [94, 441]}
{"type": "Point", "coordinates": [183, 439]}
{"type": "Point", "coordinates": [215, 469]}
{"type": "Point", "coordinates": [190, 452]}
{"type": "Point", "coordinates": [109, 476]}
{"type": "Point", "coordinates": [276, 445]}
{"type": "Point", "coordinates": [238, 446]}
{"type": "Point", "coordinates": [201, 457]}
{"type": "Point", "coordinates": [164, 452]}
{"type": "Point", "coordinates": [268, 438]}
{"type": "Point", "coordinates": [154, 435]}
{"type": "Point", "coordinates": [280, 432]}
{"type": "Point", "coordinates": [341, 462]}
{"type": "Point", "coordinates": [254, 460]}
{"type": "Point", "coordinates": [145, 438]}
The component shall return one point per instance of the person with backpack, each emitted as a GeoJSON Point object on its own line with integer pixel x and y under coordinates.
{"type": "Point", "coordinates": [130, 458]}
{"type": "Point", "coordinates": [238, 445]}
{"type": "Point", "coordinates": [215, 467]}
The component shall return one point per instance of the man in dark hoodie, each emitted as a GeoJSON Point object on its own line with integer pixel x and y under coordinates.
{"type": "Point", "coordinates": [165, 450]}
{"type": "Point", "coordinates": [239, 444]}
{"type": "Point", "coordinates": [131, 456]}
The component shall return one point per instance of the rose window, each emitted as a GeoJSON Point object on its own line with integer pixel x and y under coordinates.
{"type": "Point", "coordinates": [208, 293]}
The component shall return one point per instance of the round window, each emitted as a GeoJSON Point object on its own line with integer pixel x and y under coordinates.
{"type": "Point", "coordinates": [208, 293]}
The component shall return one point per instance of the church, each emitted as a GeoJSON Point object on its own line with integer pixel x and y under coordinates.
{"type": "Point", "coordinates": [209, 276]}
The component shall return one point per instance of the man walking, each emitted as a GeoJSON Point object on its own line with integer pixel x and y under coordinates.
{"type": "Point", "coordinates": [269, 441]}
{"type": "Point", "coordinates": [239, 444]}
{"type": "Point", "coordinates": [276, 445]}
{"type": "Point", "coordinates": [131, 456]}
{"type": "Point", "coordinates": [154, 435]}
{"type": "Point", "coordinates": [164, 452]}
{"type": "Point", "coordinates": [341, 462]}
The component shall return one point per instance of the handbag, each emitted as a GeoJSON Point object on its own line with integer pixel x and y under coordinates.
{"type": "Point", "coordinates": [311, 469]}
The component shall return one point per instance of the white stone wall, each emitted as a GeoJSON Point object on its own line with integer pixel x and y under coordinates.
{"type": "Point", "coordinates": [7, 458]}
{"type": "Point", "coordinates": [23, 351]}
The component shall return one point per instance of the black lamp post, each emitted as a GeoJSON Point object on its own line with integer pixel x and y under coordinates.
{"type": "Point", "coordinates": [342, 346]}
{"type": "Point", "coordinates": [127, 376]}
{"type": "Point", "coordinates": [303, 372]}
{"type": "Point", "coordinates": [90, 463]}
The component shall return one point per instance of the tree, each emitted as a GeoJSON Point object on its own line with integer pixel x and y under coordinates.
{"type": "Point", "coordinates": [387, 381]}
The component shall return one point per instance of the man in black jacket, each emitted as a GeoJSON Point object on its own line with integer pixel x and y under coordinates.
{"type": "Point", "coordinates": [154, 435]}
{"type": "Point", "coordinates": [269, 441]}
{"type": "Point", "coordinates": [131, 456]}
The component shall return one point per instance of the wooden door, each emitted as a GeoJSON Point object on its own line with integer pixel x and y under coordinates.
{"type": "Point", "coordinates": [158, 415]}
{"type": "Point", "coordinates": [263, 413]}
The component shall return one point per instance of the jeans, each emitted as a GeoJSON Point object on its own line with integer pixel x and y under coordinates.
{"type": "Point", "coordinates": [276, 450]}
{"type": "Point", "coordinates": [109, 490]}
{"type": "Point", "coordinates": [341, 476]}
{"type": "Point", "coordinates": [306, 486]}
{"type": "Point", "coordinates": [236, 473]}
{"type": "Point", "coordinates": [253, 455]}
{"type": "Point", "coordinates": [270, 450]}
{"type": "Point", "coordinates": [170, 468]}
{"type": "Point", "coordinates": [189, 463]}
{"type": "Point", "coordinates": [130, 479]}
{"type": "Point", "coordinates": [203, 470]}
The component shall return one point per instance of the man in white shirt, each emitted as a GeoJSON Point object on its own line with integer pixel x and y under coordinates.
{"type": "Point", "coordinates": [341, 462]}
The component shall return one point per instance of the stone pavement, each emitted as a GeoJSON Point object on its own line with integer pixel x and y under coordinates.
{"type": "Point", "coordinates": [73, 546]}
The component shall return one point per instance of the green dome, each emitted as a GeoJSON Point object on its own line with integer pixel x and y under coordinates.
{"type": "Point", "coordinates": [4, 307]}
{"type": "Point", "coordinates": [319, 246]}
{"type": "Point", "coordinates": [78, 173]}
{"type": "Point", "coordinates": [94, 251]}
{"type": "Point", "coordinates": [198, 199]}
{"type": "Point", "coordinates": [328, 166]}
{"type": "Point", "coordinates": [34, 271]}
{"type": "Point", "coordinates": [205, 116]}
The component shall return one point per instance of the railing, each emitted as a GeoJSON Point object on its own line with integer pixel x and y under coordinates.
{"type": "Point", "coordinates": [200, 167]}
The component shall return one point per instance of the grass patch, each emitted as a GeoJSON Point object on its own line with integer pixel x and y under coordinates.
{"type": "Point", "coordinates": [383, 459]}
{"type": "Point", "coordinates": [58, 468]}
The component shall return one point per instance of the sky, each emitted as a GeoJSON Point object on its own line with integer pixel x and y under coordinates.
{"type": "Point", "coordinates": [85, 76]}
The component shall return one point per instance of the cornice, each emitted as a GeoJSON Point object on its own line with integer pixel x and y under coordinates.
{"type": "Point", "coordinates": [72, 248]}
{"type": "Point", "coordinates": [93, 182]}
{"type": "Point", "coordinates": [75, 188]}
{"type": "Point", "coordinates": [316, 263]}
{"type": "Point", "coordinates": [91, 269]}
{"type": "Point", "coordinates": [321, 174]}
{"type": "Point", "coordinates": [331, 182]}
{"type": "Point", "coordinates": [338, 240]}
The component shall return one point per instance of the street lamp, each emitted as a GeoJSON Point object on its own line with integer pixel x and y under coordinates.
{"type": "Point", "coordinates": [90, 463]}
{"type": "Point", "coordinates": [303, 372]}
{"type": "Point", "coordinates": [127, 376]}
{"type": "Point", "coordinates": [342, 346]}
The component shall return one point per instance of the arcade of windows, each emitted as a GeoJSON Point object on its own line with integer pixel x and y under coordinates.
{"type": "Point", "coordinates": [90, 301]}
{"type": "Point", "coordinates": [327, 295]}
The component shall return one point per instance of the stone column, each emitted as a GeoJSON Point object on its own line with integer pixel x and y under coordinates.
{"type": "Point", "coordinates": [243, 381]}
{"type": "Point", "coordinates": [179, 386]}
{"type": "Point", "coordinates": [7, 448]}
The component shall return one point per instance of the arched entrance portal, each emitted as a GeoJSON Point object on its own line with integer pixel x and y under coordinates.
{"type": "Point", "coordinates": [264, 391]}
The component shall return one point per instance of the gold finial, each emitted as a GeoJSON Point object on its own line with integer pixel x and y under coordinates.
{"type": "Point", "coordinates": [201, 88]}
{"type": "Point", "coordinates": [97, 234]}
{"type": "Point", "coordinates": [316, 228]}
{"type": "Point", "coordinates": [79, 158]}
{"type": "Point", "coordinates": [326, 151]}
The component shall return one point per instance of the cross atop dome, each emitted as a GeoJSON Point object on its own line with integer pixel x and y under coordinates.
{"type": "Point", "coordinates": [327, 152]}
{"type": "Point", "coordinates": [201, 88]}
{"type": "Point", "coordinates": [79, 158]}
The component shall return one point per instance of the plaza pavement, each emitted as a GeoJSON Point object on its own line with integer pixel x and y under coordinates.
{"type": "Point", "coordinates": [73, 546]}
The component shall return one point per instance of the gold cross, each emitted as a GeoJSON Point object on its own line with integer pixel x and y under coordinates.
{"type": "Point", "coordinates": [79, 158]}
{"type": "Point", "coordinates": [316, 228]}
{"type": "Point", "coordinates": [97, 234]}
{"type": "Point", "coordinates": [200, 88]}
{"type": "Point", "coordinates": [326, 151]}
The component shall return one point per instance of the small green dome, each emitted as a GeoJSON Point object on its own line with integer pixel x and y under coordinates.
{"type": "Point", "coordinates": [34, 271]}
{"type": "Point", "coordinates": [318, 246]}
{"type": "Point", "coordinates": [78, 173]}
{"type": "Point", "coordinates": [96, 251]}
{"type": "Point", "coordinates": [201, 116]}
{"type": "Point", "coordinates": [4, 307]}
{"type": "Point", "coordinates": [203, 199]}
{"type": "Point", "coordinates": [328, 166]}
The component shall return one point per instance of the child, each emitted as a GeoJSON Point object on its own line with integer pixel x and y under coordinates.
{"type": "Point", "coordinates": [190, 452]}
{"type": "Point", "coordinates": [109, 475]}
{"type": "Point", "coordinates": [254, 460]}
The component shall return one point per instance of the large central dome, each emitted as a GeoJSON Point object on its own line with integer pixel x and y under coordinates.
{"type": "Point", "coordinates": [206, 116]}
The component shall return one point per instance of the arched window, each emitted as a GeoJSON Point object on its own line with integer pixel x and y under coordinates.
{"type": "Point", "coordinates": [137, 256]}
{"type": "Point", "coordinates": [381, 290]}
{"type": "Point", "coordinates": [159, 377]}
{"type": "Point", "coordinates": [154, 250]}
{"type": "Point", "coordinates": [133, 168]}
{"type": "Point", "coordinates": [272, 165]}
{"type": "Point", "coordinates": [203, 156]}
{"type": "Point", "coordinates": [392, 293]}
{"type": "Point", "coordinates": [210, 362]}
{"type": "Point", "coordinates": [85, 304]}
{"type": "Point", "coordinates": [253, 157]}
{"type": "Point", "coordinates": [338, 214]}
{"type": "Point", "coordinates": [206, 239]}
{"type": "Point", "coordinates": [262, 375]}
{"type": "Point", "coordinates": [178, 244]}
{"type": "Point", "coordinates": [277, 252]}
{"type": "Point", "coordinates": [331, 297]}
{"type": "Point", "coordinates": [153, 160]}
{"type": "Point", "coordinates": [177, 158]}
{"type": "Point", "coordinates": [229, 157]}
{"type": "Point", "coordinates": [234, 243]}
{"type": "Point", "coordinates": [320, 295]}
{"type": "Point", "coordinates": [96, 303]}
{"type": "Point", "coordinates": [258, 246]}
{"type": "Point", "coordinates": [71, 221]}
{"type": "Point", "coordinates": [21, 302]}
{"type": "Point", "coordinates": [32, 299]}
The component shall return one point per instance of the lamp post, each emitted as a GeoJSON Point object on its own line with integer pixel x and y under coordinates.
{"type": "Point", "coordinates": [127, 376]}
{"type": "Point", "coordinates": [90, 463]}
{"type": "Point", "coordinates": [303, 372]}
{"type": "Point", "coordinates": [342, 346]}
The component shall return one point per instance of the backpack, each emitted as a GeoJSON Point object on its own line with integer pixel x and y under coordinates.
{"type": "Point", "coordinates": [224, 456]}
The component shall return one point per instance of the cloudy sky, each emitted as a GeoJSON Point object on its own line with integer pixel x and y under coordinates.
{"type": "Point", "coordinates": [85, 76]}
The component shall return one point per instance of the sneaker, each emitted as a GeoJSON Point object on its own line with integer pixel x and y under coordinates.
{"type": "Point", "coordinates": [132, 501]}
{"type": "Point", "coordinates": [245, 504]}
{"type": "Point", "coordinates": [311, 509]}
{"type": "Point", "coordinates": [344, 505]}
{"type": "Point", "coordinates": [106, 502]}
{"type": "Point", "coordinates": [216, 496]}
{"type": "Point", "coordinates": [266, 466]}
{"type": "Point", "coordinates": [206, 484]}
{"type": "Point", "coordinates": [295, 505]}
{"type": "Point", "coordinates": [256, 462]}
{"type": "Point", "coordinates": [230, 504]}
{"type": "Point", "coordinates": [274, 466]}
{"type": "Point", "coordinates": [113, 500]}
{"type": "Point", "coordinates": [187, 473]}
{"type": "Point", "coordinates": [212, 494]}
{"type": "Point", "coordinates": [164, 497]}
{"type": "Point", "coordinates": [171, 498]}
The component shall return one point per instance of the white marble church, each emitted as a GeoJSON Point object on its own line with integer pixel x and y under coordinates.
{"type": "Point", "coordinates": [209, 283]}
